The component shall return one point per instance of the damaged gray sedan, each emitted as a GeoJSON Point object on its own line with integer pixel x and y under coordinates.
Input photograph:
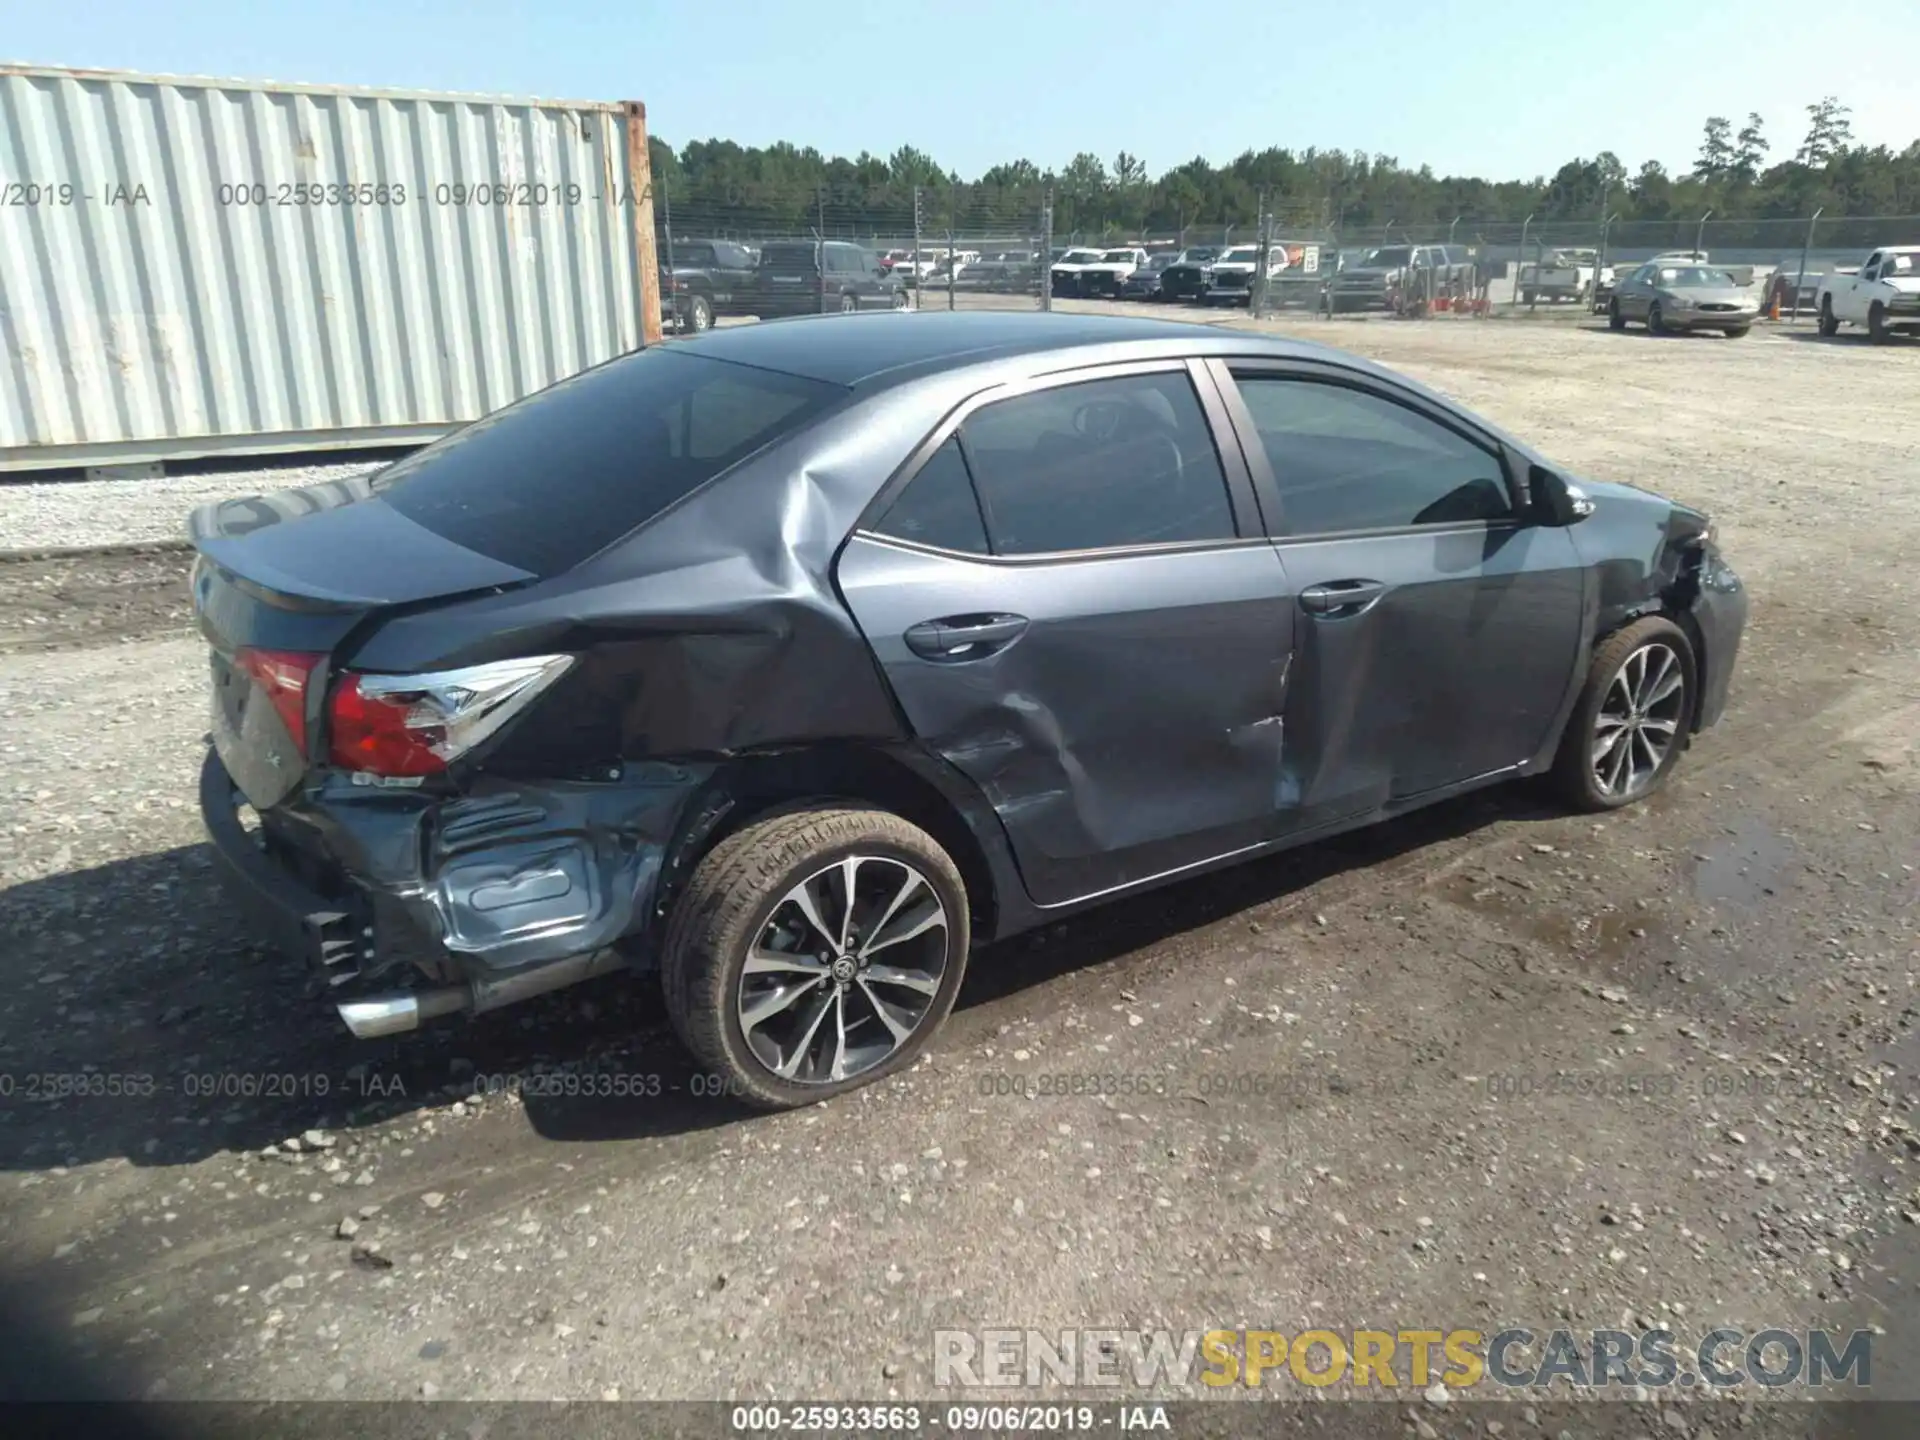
{"type": "Point", "coordinates": [795, 661]}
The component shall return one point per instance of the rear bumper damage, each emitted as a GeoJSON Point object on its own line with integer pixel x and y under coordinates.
{"type": "Point", "coordinates": [412, 906]}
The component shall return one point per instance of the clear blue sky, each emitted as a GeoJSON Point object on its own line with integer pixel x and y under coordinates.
{"type": "Point", "coordinates": [1507, 89]}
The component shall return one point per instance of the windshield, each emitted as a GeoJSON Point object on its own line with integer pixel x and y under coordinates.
{"type": "Point", "coordinates": [547, 482]}
{"type": "Point", "coordinates": [1241, 255]}
{"type": "Point", "coordinates": [1120, 256]}
{"type": "Point", "coordinates": [1160, 262]}
{"type": "Point", "coordinates": [1401, 255]}
{"type": "Point", "coordinates": [1696, 277]}
{"type": "Point", "coordinates": [1079, 257]}
{"type": "Point", "coordinates": [1904, 265]}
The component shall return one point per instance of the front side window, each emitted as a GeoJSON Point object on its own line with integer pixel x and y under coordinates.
{"type": "Point", "coordinates": [1347, 459]}
{"type": "Point", "coordinates": [1098, 465]}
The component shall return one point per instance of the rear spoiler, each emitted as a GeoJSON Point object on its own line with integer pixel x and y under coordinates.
{"type": "Point", "coordinates": [229, 519]}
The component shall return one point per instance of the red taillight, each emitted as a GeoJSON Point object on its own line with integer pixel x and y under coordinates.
{"type": "Point", "coordinates": [282, 677]}
{"type": "Point", "coordinates": [371, 733]}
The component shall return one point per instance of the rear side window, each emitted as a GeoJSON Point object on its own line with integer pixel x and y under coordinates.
{"type": "Point", "coordinates": [938, 507]}
{"type": "Point", "coordinates": [547, 482]}
{"type": "Point", "coordinates": [1098, 465]}
{"type": "Point", "coordinates": [1346, 459]}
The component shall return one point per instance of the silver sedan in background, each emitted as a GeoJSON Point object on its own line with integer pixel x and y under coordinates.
{"type": "Point", "coordinates": [1670, 297]}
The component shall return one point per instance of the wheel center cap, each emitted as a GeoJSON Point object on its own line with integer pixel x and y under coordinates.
{"type": "Point", "coordinates": [843, 968]}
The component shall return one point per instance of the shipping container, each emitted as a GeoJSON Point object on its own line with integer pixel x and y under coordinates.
{"type": "Point", "coordinates": [197, 267]}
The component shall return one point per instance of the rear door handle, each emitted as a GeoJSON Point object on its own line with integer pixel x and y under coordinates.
{"type": "Point", "coordinates": [1340, 598]}
{"type": "Point", "coordinates": [964, 637]}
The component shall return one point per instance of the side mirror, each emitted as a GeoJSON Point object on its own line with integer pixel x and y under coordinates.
{"type": "Point", "coordinates": [1555, 500]}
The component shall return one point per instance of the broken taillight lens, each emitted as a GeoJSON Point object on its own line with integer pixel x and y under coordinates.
{"type": "Point", "coordinates": [282, 675]}
{"type": "Point", "coordinates": [408, 726]}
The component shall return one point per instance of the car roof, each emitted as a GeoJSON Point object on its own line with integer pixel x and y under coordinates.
{"type": "Point", "coordinates": [860, 350]}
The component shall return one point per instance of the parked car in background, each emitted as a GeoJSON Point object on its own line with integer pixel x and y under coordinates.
{"type": "Point", "coordinates": [1144, 283]}
{"type": "Point", "coordinates": [708, 278]}
{"type": "Point", "coordinates": [1563, 275]}
{"type": "Point", "coordinates": [1110, 272]}
{"type": "Point", "coordinates": [791, 663]}
{"type": "Point", "coordinates": [1670, 297]}
{"type": "Point", "coordinates": [1883, 297]}
{"type": "Point", "coordinates": [1792, 289]}
{"type": "Point", "coordinates": [810, 277]}
{"type": "Point", "coordinates": [1388, 269]}
{"type": "Point", "coordinates": [1186, 278]}
{"type": "Point", "coordinates": [1230, 278]}
{"type": "Point", "coordinates": [1066, 271]}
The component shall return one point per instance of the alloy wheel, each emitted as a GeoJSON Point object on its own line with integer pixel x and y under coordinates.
{"type": "Point", "coordinates": [1639, 720]}
{"type": "Point", "coordinates": [844, 971]}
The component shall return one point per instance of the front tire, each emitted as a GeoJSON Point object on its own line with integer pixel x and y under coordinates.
{"type": "Point", "coordinates": [1829, 326]}
{"type": "Point", "coordinates": [1655, 325]}
{"type": "Point", "coordinates": [849, 303]}
{"type": "Point", "coordinates": [770, 964]}
{"type": "Point", "coordinates": [1737, 331]}
{"type": "Point", "coordinates": [1615, 320]}
{"type": "Point", "coordinates": [1633, 717]}
{"type": "Point", "coordinates": [1877, 324]}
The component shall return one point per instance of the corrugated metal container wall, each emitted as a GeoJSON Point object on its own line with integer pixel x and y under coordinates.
{"type": "Point", "coordinates": [190, 267]}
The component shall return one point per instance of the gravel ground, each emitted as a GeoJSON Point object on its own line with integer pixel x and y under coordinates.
{"type": "Point", "coordinates": [1376, 1051]}
{"type": "Point", "coordinates": [71, 514]}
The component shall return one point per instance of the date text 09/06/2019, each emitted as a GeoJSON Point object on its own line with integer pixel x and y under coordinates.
{"type": "Point", "coordinates": [1039, 1419]}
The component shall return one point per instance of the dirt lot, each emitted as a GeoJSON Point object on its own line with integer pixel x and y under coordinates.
{"type": "Point", "coordinates": [1488, 1065]}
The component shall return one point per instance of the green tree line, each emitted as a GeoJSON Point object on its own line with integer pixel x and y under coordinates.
{"type": "Point", "coordinates": [724, 187]}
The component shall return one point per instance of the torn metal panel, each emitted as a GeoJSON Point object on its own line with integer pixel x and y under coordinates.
{"type": "Point", "coordinates": [509, 875]}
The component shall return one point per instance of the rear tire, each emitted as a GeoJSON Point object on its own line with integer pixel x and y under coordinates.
{"type": "Point", "coordinates": [1736, 331]}
{"type": "Point", "coordinates": [1526, 297]}
{"type": "Point", "coordinates": [739, 902]}
{"type": "Point", "coordinates": [1829, 326]}
{"type": "Point", "coordinates": [699, 314]}
{"type": "Point", "coordinates": [1582, 765]}
{"type": "Point", "coordinates": [849, 303]}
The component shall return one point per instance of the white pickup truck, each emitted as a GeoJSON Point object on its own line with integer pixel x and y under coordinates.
{"type": "Point", "coordinates": [1564, 275]}
{"type": "Point", "coordinates": [1883, 295]}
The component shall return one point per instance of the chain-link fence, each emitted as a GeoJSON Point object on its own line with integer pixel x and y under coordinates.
{"type": "Point", "coordinates": [739, 250]}
{"type": "Point", "coordinates": [767, 250]}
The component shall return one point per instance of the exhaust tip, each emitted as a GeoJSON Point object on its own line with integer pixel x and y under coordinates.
{"type": "Point", "coordinates": [390, 1015]}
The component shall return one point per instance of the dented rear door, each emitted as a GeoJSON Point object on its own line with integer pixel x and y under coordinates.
{"type": "Point", "coordinates": [1118, 705]}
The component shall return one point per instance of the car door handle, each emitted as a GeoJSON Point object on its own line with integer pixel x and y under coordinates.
{"type": "Point", "coordinates": [964, 637]}
{"type": "Point", "coordinates": [1341, 598]}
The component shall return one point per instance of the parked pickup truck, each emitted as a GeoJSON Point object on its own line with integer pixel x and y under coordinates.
{"type": "Point", "coordinates": [1884, 295]}
{"type": "Point", "coordinates": [708, 278]}
{"type": "Point", "coordinates": [1110, 273]}
{"type": "Point", "coordinates": [1390, 268]}
{"type": "Point", "coordinates": [1563, 275]}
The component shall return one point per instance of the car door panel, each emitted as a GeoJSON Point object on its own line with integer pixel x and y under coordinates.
{"type": "Point", "coordinates": [1121, 708]}
{"type": "Point", "coordinates": [1455, 670]}
{"type": "Point", "coordinates": [1425, 654]}
{"type": "Point", "coordinates": [1130, 730]}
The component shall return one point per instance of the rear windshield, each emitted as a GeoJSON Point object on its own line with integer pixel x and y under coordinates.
{"type": "Point", "coordinates": [551, 480]}
{"type": "Point", "coordinates": [789, 256]}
